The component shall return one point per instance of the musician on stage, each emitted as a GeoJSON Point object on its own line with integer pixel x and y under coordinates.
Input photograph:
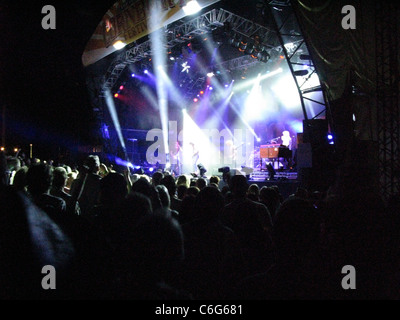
{"type": "Point", "coordinates": [285, 149]}
{"type": "Point", "coordinates": [195, 156]}
{"type": "Point", "coordinates": [177, 155]}
{"type": "Point", "coordinates": [286, 139]}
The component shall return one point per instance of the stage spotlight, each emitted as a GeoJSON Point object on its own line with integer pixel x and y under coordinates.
{"type": "Point", "coordinates": [224, 169]}
{"type": "Point", "coordinates": [235, 41]}
{"type": "Point", "coordinates": [116, 95]}
{"type": "Point", "coordinates": [330, 139]}
{"type": "Point", "coordinates": [249, 49]}
{"type": "Point", "coordinates": [146, 71]}
{"type": "Point", "coordinates": [258, 139]}
{"type": "Point", "coordinates": [256, 51]}
{"type": "Point", "coordinates": [183, 110]}
{"type": "Point", "coordinates": [242, 46]}
{"type": "Point", "coordinates": [201, 92]}
{"type": "Point", "coordinates": [132, 75]}
{"type": "Point", "coordinates": [202, 169]}
{"type": "Point", "coordinates": [151, 169]}
{"type": "Point", "coordinates": [210, 74]}
{"type": "Point", "coordinates": [121, 88]}
{"type": "Point", "coordinates": [211, 88]}
{"type": "Point", "coordinates": [195, 99]}
{"type": "Point", "coordinates": [192, 7]}
{"type": "Point", "coordinates": [119, 45]}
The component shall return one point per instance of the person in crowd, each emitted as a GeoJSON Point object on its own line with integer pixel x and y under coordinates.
{"type": "Point", "coordinates": [39, 181]}
{"type": "Point", "coordinates": [156, 178]}
{"type": "Point", "coordinates": [297, 273]}
{"type": "Point", "coordinates": [201, 183]}
{"type": "Point", "coordinates": [29, 240]}
{"type": "Point", "coordinates": [251, 222]}
{"type": "Point", "coordinates": [215, 179]}
{"type": "Point", "coordinates": [193, 191]}
{"type": "Point", "coordinates": [183, 180]}
{"type": "Point", "coordinates": [151, 260]}
{"type": "Point", "coordinates": [57, 189]}
{"type": "Point", "coordinates": [86, 188]}
{"type": "Point", "coordinates": [270, 198]}
{"type": "Point", "coordinates": [144, 186]}
{"type": "Point", "coordinates": [253, 193]}
{"type": "Point", "coordinates": [166, 201]}
{"type": "Point", "coordinates": [186, 213]}
{"type": "Point", "coordinates": [169, 182]}
{"type": "Point", "coordinates": [212, 252]}
{"type": "Point", "coordinates": [103, 170]}
{"type": "Point", "coordinates": [113, 191]}
{"type": "Point", "coordinates": [71, 177]}
{"type": "Point", "coordinates": [214, 185]}
{"type": "Point", "coordinates": [181, 191]}
{"type": "Point", "coordinates": [19, 183]}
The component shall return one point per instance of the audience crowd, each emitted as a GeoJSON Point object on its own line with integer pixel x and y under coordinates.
{"type": "Point", "coordinates": [112, 234]}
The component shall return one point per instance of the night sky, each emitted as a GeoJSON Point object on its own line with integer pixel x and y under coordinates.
{"type": "Point", "coordinates": [42, 77]}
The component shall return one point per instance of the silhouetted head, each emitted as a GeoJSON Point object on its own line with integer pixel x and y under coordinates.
{"type": "Point", "coordinates": [183, 180]}
{"type": "Point", "coordinates": [169, 182]}
{"type": "Point", "coordinates": [201, 183]}
{"type": "Point", "coordinates": [39, 178]}
{"type": "Point", "coordinates": [164, 196]}
{"type": "Point", "coordinates": [113, 187]}
{"type": "Point", "coordinates": [238, 186]}
{"type": "Point", "coordinates": [209, 203]}
{"type": "Point", "coordinates": [93, 163]}
{"type": "Point", "coordinates": [181, 190]}
{"type": "Point", "coordinates": [156, 178]}
{"type": "Point", "coordinates": [59, 177]}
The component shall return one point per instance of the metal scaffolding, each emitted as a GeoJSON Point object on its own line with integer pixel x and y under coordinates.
{"type": "Point", "coordinates": [181, 33]}
{"type": "Point", "coordinates": [387, 88]}
{"type": "Point", "coordinates": [299, 59]}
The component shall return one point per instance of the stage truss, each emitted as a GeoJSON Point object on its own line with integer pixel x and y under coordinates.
{"type": "Point", "coordinates": [388, 115]}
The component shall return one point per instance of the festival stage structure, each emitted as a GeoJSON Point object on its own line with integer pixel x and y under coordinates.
{"type": "Point", "coordinates": [230, 78]}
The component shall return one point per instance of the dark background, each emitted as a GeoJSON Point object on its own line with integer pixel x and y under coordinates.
{"type": "Point", "coordinates": [42, 78]}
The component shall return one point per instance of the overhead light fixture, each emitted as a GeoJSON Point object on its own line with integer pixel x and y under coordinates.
{"type": "Point", "coordinates": [191, 7]}
{"type": "Point", "coordinates": [301, 73]}
{"type": "Point", "coordinates": [305, 57]}
{"type": "Point", "coordinates": [235, 41]}
{"type": "Point", "coordinates": [242, 46]}
{"type": "Point", "coordinates": [249, 48]}
{"type": "Point", "coordinates": [119, 44]}
{"type": "Point", "coordinates": [263, 56]}
{"type": "Point", "coordinates": [210, 74]}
